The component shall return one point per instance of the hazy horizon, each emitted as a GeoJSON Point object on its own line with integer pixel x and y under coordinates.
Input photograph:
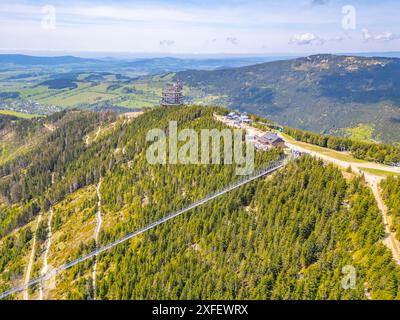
{"type": "Point", "coordinates": [177, 27]}
{"type": "Point", "coordinates": [152, 55]}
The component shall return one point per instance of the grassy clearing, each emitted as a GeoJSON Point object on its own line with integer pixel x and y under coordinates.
{"type": "Point", "coordinates": [137, 104]}
{"type": "Point", "coordinates": [74, 226]}
{"type": "Point", "coordinates": [80, 98]}
{"type": "Point", "coordinates": [378, 172]}
{"type": "Point", "coordinates": [19, 114]}
{"type": "Point", "coordinates": [208, 100]}
{"type": "Point", "coordinates": [33, 92]}
{"type": "Point", "coordinates": [363, 132]}
{"type": "Point", "coordinates": [76, 220]}
{"type": "Point", "coordinates": [8, 152]}
{"type": "Point", "coordinates": [324, 151]}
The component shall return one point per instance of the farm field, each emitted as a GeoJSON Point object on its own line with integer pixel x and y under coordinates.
{"type": "Point", "coordinates": [18, 114]}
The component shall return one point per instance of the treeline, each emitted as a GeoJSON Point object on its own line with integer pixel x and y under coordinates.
{"type": "Point", "coordinates": [375, 152]}
{"type": "Point", "coordinates": [391, 194]}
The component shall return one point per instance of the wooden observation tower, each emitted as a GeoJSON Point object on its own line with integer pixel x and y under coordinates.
{"type": "Point", "coordinates": [172, 95]}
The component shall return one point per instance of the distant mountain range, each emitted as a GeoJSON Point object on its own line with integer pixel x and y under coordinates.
{"type": "Point", "coordinates": [389, 54]}
{"type": "Point", "coordinates": [146, 65]}
{"type": "Point", "coordinates": [323, 93]}
{"type": "Point", "coordinates": [168, 64]}
{"type": "Point", "coordinates": [20, 59]}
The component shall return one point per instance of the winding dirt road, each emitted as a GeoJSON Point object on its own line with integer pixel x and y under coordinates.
{"type": "Point", "coordinates": [46, 253]}
{"type": "Point", "coordinates": [99, 222]}
{"type": "Point", "coordinates": [31, 259]}
{"type": "Point", "coordinates": [390, 239]}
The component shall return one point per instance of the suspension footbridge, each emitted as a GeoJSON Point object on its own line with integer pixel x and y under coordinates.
{"type": "Point", "coordinates": [269, 169]}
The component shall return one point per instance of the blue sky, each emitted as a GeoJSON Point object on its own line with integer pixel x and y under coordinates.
{"type": "Point", "coordinates": [200, 27]}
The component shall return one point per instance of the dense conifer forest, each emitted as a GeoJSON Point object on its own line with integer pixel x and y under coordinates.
{"type": "Point", "coordinates": [286, 236]}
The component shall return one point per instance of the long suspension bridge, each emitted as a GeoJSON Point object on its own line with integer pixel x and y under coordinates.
{"type": "Point", "coordinates": [272, 167]}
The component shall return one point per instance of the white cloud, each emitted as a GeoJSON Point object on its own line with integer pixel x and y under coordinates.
{"type": "Point", "coordinates": [383, 37]}
{"type": "Point", "coordinates": [239, 14]}
{"type": "Point", "coordinates": [341, 37]}
{"type": "Point", "coordinates": [307, 38]}
{"type": "Point", "coordinates": [232, 40]}
{"type": "Point", "coordinates": [387, 36]}
{"type": "Point", "coordinates": [167, 43]}
{"type": "Point", "coordinates": [142, 26]}
{"type": "Point", "coordinates": [319, 2]}
{"type": "Point", "coordinates": [367, 35]}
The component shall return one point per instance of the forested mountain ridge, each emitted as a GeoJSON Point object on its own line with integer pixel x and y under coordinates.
{"type": "Point", "coordinates": [341, 95]}
{"type": "Point", "coordinates": [288, 236]}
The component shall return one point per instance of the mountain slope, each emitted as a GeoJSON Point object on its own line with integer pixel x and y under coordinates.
{"type": "Point", "coordinates": [287, 236]}
{"type": "Point", "coordinates": [322, 93]}
{"type": "Point", "coordinates": [271, 240]}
